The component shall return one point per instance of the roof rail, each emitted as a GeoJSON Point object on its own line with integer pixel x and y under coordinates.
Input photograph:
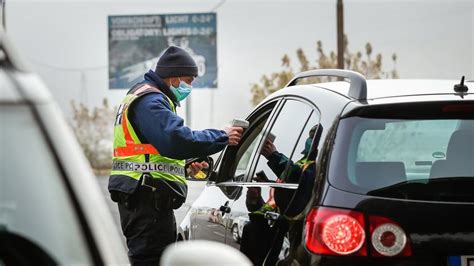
{"type": "Point", "coordinates": [357, 90]}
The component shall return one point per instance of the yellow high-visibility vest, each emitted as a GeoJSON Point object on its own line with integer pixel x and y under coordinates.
{"type": "Point", "coordinates": [132, 158]}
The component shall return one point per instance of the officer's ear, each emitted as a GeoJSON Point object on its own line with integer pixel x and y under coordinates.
{"type": "Point", "coordinates": [172, 81]}
{"type": "Point", "coordinates": [175, 81]}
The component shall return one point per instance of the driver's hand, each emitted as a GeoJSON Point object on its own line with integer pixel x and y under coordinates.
{"type": "Point", "coordinates": [258, 179]}
{"type": "Point", "coordinates": [195, 168]}
{"type": "Point", "coordinates": [268, 148]}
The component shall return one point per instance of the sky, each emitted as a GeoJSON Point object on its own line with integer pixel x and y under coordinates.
{"type": "Point", "coordinates": [66, 43]}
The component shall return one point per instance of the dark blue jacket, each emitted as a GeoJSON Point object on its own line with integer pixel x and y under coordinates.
{"type": "Point", "coordinates": [155, 123]}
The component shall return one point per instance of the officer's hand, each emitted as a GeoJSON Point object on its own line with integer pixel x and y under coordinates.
{"type": "Point", "coordinates": [196, 167]}
{"type": "Point", "coordinates": [234, 134]}
{"type": "Point", "coordinates": [268, 148]}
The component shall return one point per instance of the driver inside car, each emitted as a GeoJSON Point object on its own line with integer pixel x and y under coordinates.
{"type": "Point", "coordinates": [261, 242]}
{"type": "Point", "coordinates": [278, 161]}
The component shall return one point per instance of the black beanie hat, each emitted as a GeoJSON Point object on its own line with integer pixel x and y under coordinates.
{"type": "Point", "coordinates": [176, 62]}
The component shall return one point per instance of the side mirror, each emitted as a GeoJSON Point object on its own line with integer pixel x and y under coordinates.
{"type": "Point", "coordinates": [201, 253]}
{"type": "Point", "coordinates": [204, 173]}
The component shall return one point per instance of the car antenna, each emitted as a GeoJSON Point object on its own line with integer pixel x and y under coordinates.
{"type": "Point", "coordinates": [460, 88]}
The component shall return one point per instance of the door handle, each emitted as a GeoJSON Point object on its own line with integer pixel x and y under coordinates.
{"type": "Point", "coordinates": [224, 209]}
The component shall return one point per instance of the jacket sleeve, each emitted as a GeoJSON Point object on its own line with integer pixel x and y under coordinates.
{"type": "Point", "coordinates": [152, 117]}
{"type": "Point", "coordinates": [278, 162]}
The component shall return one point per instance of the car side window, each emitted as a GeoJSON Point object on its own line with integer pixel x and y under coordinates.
{"type": "Point", "coordinates": [308, 139]}
{"type": "Point", "coordinates": [35, 206]}
{"type": "Point", "coordinates": [248, 149]}
{"type": "Point", "coordinates": [237, 160]}
{"type": "Point", "coordinates": [283, 144]}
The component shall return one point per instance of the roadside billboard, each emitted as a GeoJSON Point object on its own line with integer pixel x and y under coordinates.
{"type": "Point", "coordinates": [136, 42]}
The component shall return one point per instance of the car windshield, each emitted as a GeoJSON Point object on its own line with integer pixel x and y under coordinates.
{"type": "Point", "coordinates": [34, 202]}
{"type": "Point", "coordinates": [415, 158]}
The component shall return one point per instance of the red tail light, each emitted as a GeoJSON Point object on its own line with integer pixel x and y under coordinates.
{"type": "Point", "coordinates": [331, 231]}
{"type": "Point", "coordinates": [335, 232]}
{"type": "Point", "coordinates": [388, 238]}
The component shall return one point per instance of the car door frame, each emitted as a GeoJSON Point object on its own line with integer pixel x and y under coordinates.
{"type": "Point", "coordinates": [271, 108]}
{"type": "Point", "coordinates": [279, 104]}
{"type": "Point", "coordinates": [267, 129]}
{"type": "Point", "coordinates": [251, 168]}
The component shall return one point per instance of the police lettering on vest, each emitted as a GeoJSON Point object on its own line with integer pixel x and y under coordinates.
{"type": "Point", "coordinates": [132, 158]}
{"type": "Point", "coordinates": [148, 167]}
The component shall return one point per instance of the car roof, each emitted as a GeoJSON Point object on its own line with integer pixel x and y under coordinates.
{"type": "Point", "coordinates": [31, 91]}
{"type": "Point", "coordinates": [8, 91]}
{"type": "Point", "coordinates": [353, 87]}
{"type": "Point", "coordinates": [14, 72]}
{"type": "Point", "coordinates": [385, 88]}
{"type": "Point", "coordinates": [380, 91]}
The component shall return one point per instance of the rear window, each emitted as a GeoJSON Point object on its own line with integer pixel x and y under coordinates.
{"type": "Point", "coordinates": [421, 155]}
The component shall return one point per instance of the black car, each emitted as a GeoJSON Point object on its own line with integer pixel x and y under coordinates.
{"type": "Point", "coordinates": [344, 173]}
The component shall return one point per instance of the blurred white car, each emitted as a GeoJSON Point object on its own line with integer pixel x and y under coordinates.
{"type": "Point", "coordinates": [238, 226]}
{"type": "Point", "coordinates": [52, 211]}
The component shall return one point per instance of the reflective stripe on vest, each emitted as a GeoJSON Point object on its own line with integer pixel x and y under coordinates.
{"type": "Point", "coordinates": [131, 148]}
{"type": "Point", "coordinates": [133, 158]}
{"type": "Point", "coordinates": [307, 164]}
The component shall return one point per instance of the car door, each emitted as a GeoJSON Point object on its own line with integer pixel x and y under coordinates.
{"type": "Point", "coordinates": [206, 215]}
{"type": "Point", "coordinates": [249, 230]}
{"type": "Point", "coordinates": [210, 215]}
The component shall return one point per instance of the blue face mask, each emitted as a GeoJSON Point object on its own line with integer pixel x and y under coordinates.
{"type": "Point", "coordinates": [182, 91]}
{"type": "Point", "coordinates": [307, 146]}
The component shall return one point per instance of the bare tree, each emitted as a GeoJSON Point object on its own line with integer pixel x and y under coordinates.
{"type": "Point", "coordinates": [366, 64]}
{"type": "Point", "coordinates": [94, 131]}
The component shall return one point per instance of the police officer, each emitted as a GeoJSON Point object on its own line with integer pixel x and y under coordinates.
{"type": "Point", "coordinates": [150, 147]}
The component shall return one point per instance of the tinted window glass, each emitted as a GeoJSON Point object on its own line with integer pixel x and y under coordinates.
{"type": "Point", "coordinates": [248, 148]}
{"type": "Point", "coordinates": [33, 199]}
{"type": "Point", "coordinates": [399, 140]}
{"type": "Point", "coordinates": [229, 170]}
{"type": "Point", "coordinates": [417, 158]}
{"type": "Point", "coordinates": [285, 133]}
{"type": "Point", "coordinates": [306, 140]}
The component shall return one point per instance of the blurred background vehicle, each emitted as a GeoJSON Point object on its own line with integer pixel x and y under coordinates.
{"type": "Point", "coordinates": [52, 211]}
{"type": "Point", "coordinates": [238, 226]}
